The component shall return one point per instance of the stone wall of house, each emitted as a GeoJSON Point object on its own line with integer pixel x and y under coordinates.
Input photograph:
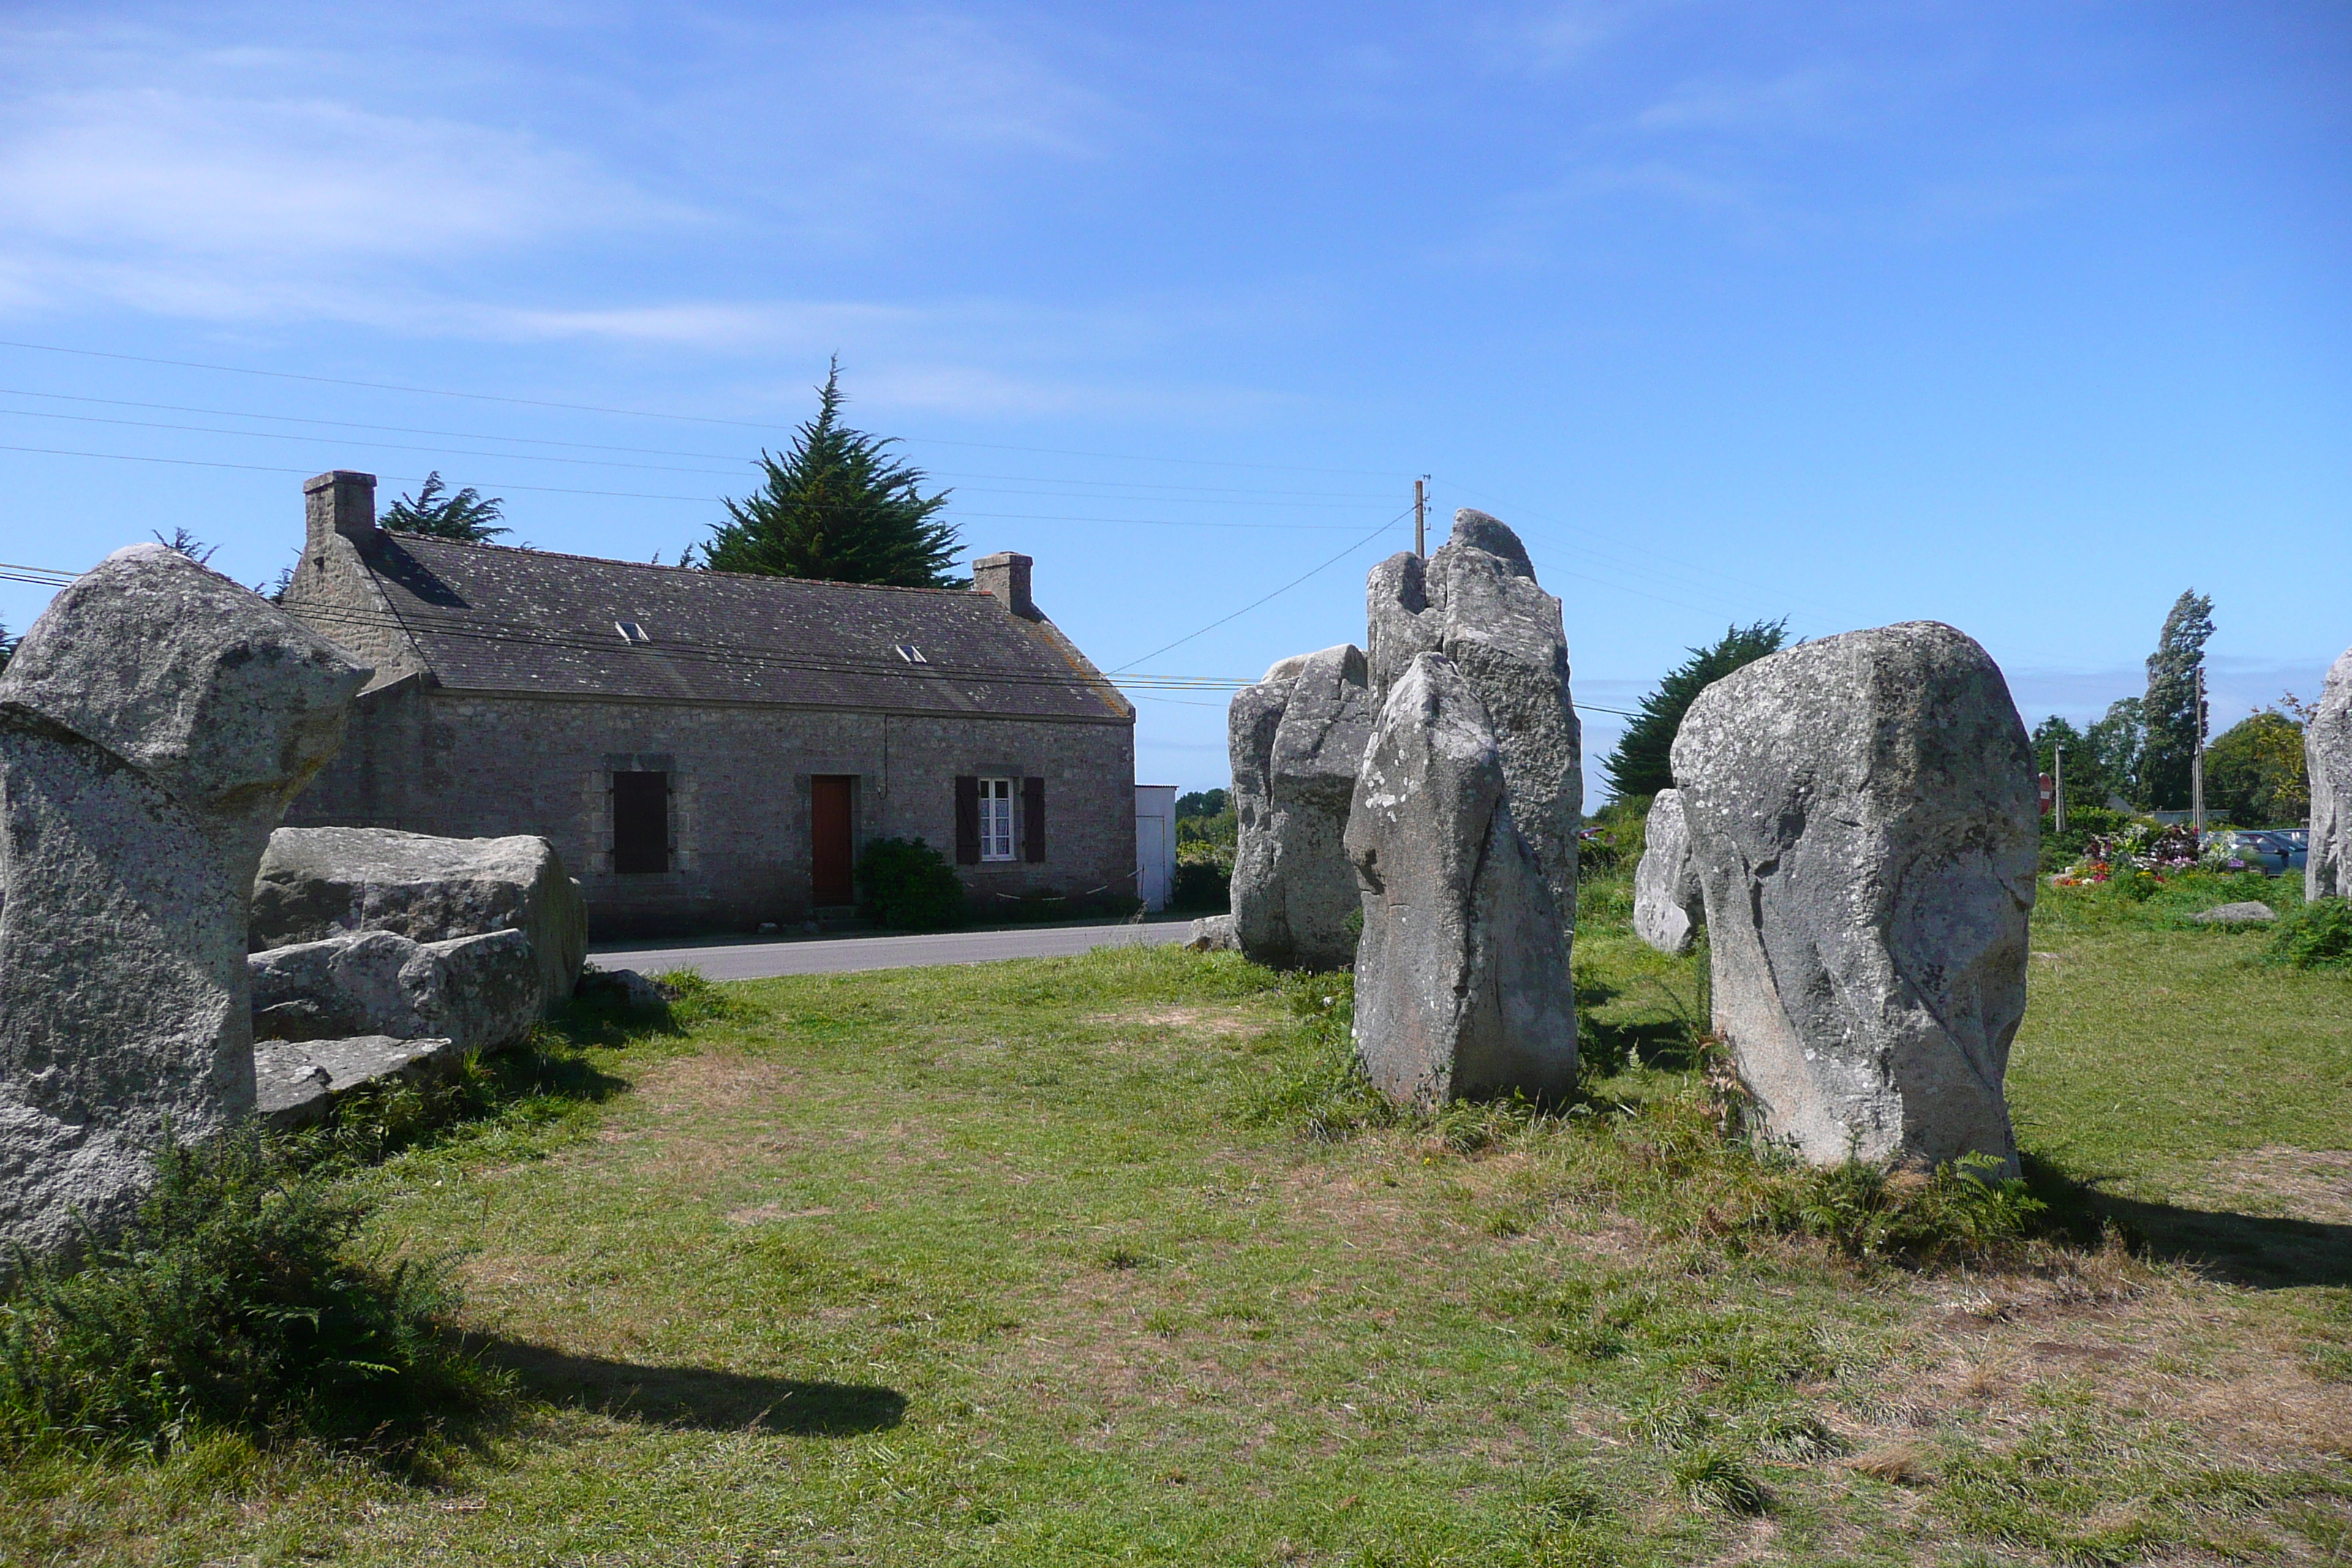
{"type": "Point", "coordinates": [468, 765]}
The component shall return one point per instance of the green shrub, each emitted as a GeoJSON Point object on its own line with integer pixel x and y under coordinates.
{"type": "Point", "coordinates": [233, 1300]}
{"type": "Point", "coordinates": [1202, 887]}
{"type": "Point", "coordinates": [2318, 936]}
{"type": "Point", "coordinates": [909, 885]}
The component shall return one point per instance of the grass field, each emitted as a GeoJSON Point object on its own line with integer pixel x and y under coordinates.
{"type": "Point", "coordinates": [1102, 1261]}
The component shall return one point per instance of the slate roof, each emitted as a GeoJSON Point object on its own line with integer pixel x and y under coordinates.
{"type": "Point", "coordinates": [491, 618]}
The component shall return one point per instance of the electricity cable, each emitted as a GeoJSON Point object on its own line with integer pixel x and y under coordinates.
{"type": "Point", "coordinates": [657, 414]}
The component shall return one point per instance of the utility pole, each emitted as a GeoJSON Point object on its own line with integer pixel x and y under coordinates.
{"type": "Point", "coordinates": [2196, 763]}
{"type": "Point", "coordinates": [2058, 791]}
{"type": "Point", "coordinates": [1421, 516]}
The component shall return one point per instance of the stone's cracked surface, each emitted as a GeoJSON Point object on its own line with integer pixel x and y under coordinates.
{"type": "Point", "coordinates": [1297, 738]}
{"type": "Point", "coordinates": [1462, 984]}
{"type": "Point", "coordinates": [321, 882]}
{"type": "Point", "coordinates": [480, 991]}
{"type": "Point", "coordinates": [153, 725]}
{"type": "Point", "coordinates": [1864, 822]}
{"type": "Point", "coordinates": [2327, 758]}
{"type": "Point", "coordinates": [1476, 602]}
{"type": "Point", "coordinates": [297, 1083]}
{"type": "Point", "coordinates": [1667, 903]}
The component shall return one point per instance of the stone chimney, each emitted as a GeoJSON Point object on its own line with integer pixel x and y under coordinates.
{"type": "Point", "coordinates": [341, 502]}
{"type": "Point", "coordinates": [1006, 576]}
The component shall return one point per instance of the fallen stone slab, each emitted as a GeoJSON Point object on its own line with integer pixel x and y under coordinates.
{"type": "Point", "coordinates": [625, 987]}
{"type": "Point", "coordinates": [1461, 987]}
{"type": "Point", "coordinates": [1295, 738]}
{"type": "Point", "coordinates": [1864, 824]}
{"type": "Point", "coordinates": [2246, 913]}
{"type": "Point", "coordinates": [320, 882]}
{"type": "Point", "coordinates": [1668, 903]}
{"type": "Point", "coordinates": [296, 1083]}
{"type": "Point", "coordinates": [480, 990]}
{"type": "Point", "coordinates": [2327, 759]}
{"type": "Point", "coordinates": [154, 724]}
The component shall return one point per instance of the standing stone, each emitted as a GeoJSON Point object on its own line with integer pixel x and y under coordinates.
{"type": "Point", "coordinates": [1476, 602]}
{"type": "Point", "coordinates": [1462, 976]}
{"type": "Point", "coordinates": [1667, 900]}
{"type": "Point", "coordinates": [321, 882]}
{"type": "Point", "coordinates": [1296, 739]}
{"type": "Point", "coordinates": [2327, 757]}
{"type": "Point", "coordinates": [154, 724]}
{"type": "Point", "coordinates": [1864, 822]}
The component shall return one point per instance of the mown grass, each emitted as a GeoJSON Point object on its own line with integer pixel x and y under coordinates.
{"type": "Point", "coordinates": [1109, 1258]}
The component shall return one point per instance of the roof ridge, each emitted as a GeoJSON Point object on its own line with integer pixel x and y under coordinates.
{"type": "Point", "coordinates": [656, 566]}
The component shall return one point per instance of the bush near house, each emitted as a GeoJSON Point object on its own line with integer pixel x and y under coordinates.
{"type": "Point", "coordinates": [909, 885]}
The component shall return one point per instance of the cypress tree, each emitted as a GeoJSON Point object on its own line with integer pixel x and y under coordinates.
{"type": "Point", "coordinates": [2169, 713]}
{"type": "Point", "coordinates": [1642, 764]}
{"type": "Point", "coordinates": [840, 509]}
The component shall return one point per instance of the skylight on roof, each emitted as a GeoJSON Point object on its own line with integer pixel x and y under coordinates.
{"type": "Point", "coordinates": [631, 631]}
{"type": "Point", "coordinates": [912, 654]}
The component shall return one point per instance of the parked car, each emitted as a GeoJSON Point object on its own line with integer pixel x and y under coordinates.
{"type": "Point", "coordinates": [2272, 851]}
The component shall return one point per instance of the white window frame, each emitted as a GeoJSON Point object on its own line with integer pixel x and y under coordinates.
{"type": "Point", "coordinates": [998, 841]}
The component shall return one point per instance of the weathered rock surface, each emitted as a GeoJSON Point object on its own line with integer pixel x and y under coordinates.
{"type": "Point", "coordinates": [297, 1083]}
{"type": "Point", "coordinates": [1476, 602]}
{"type": "Point", "coordinates": [2246, 913]}
{"type": "Point", "coordinates": [1212, 933]}
{"type": "Point", "coordinates": [625, 987]}
{"type": "Point", "coordinates": [2327, 757]}
{"type": "Point", "coordinates": [1462, 976]}
{"type": "Point", "coordinates": [1667, 901]}
{"type": "Point", "coordinates": [153, 725]}
{"type": "Point", "coordinates": [321, 882]}
{"type": "Point", "coordinates": [1862, 819]}
{"type": "Point", "coordinates": [480, 990]}
{"type": "Point", "coordinates": [1297, 738]}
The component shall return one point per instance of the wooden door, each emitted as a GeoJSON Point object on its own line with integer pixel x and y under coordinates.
{"type": "Point", "coordinates": [830, 855]}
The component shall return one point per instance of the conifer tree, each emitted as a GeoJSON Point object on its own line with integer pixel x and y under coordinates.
{"type": "Point", "coordinates": [465, 517]}
{"type": "Point", "coordinates": [2169, 713]}
{"type": "Point", "coordinates": [1642, 765]}
{"type": "Point", "coordinates": [839, 508]}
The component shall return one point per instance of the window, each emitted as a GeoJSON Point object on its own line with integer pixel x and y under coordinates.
{"type": "Point", "coordinates": [631, 631]}
{"type": "Point", "coordinates": [996, 819]}
{"type": "Point", "coordinates": [640, 822]}
{"type": "Point", "coordinates": [912, 654]}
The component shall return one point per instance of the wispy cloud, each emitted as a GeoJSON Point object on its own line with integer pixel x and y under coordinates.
{"type": "Point", "coordinates": [1810, 100]}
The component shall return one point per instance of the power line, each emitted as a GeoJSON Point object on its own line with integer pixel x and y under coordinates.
{"type": "Point", "coordinates": [1294, 582]}
{"type": "Point", "coordinates": [644, 451]}
{"type": "Point", "coordinates": [647, 495]}
{"type": "Point", "coordinates": [656, 414]}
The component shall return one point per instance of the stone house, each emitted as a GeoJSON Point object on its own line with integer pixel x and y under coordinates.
{"type": "Point", "coordinates": [709, 750]}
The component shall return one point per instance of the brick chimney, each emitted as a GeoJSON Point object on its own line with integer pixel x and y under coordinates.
{"type": "Point", "coordinates": [341, 502]}
{"type": "Point", "coordinates": [1005, 576]}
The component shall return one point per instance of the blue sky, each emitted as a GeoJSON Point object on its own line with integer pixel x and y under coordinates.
{"type": "Point", "coordinates": [2024, 317]}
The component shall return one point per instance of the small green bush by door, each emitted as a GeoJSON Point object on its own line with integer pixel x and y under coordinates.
{"type": "Point", "coordinates": [910, 885]}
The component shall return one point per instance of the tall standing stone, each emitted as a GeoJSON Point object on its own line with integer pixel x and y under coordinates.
{"type": "Point", "coordinates": [2327, 757]}
{"type": "Point", "coordinates": [1476, 602]}
{"type": "Point", "coordinates": [1668, 903]}
{"type": "Point", "coordinates": [1296, 739]}
{"type": "Point", "coordinates": [1864, 822]}
{"type": "Point", "coordinates": [1461, 975]}
{"type": "Point", "coordinates": [153, 725]}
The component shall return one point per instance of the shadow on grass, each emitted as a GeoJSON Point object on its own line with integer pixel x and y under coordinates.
{"type": "Point", "coordinates": [699, 1397]}
{"type": "Point", "coordinates": [1607, 1046]}
{"type": "Point", "coordinates": [2258, 1252]}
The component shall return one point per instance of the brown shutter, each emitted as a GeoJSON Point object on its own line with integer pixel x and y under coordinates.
{"type": "Point", "coordinates": [967, 789]}
{"type": "Point", "coordinates": [1033, 819]}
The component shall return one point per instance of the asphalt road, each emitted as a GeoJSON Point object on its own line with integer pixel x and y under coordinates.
{"type": "Point", "coordinates": [740, 960]}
